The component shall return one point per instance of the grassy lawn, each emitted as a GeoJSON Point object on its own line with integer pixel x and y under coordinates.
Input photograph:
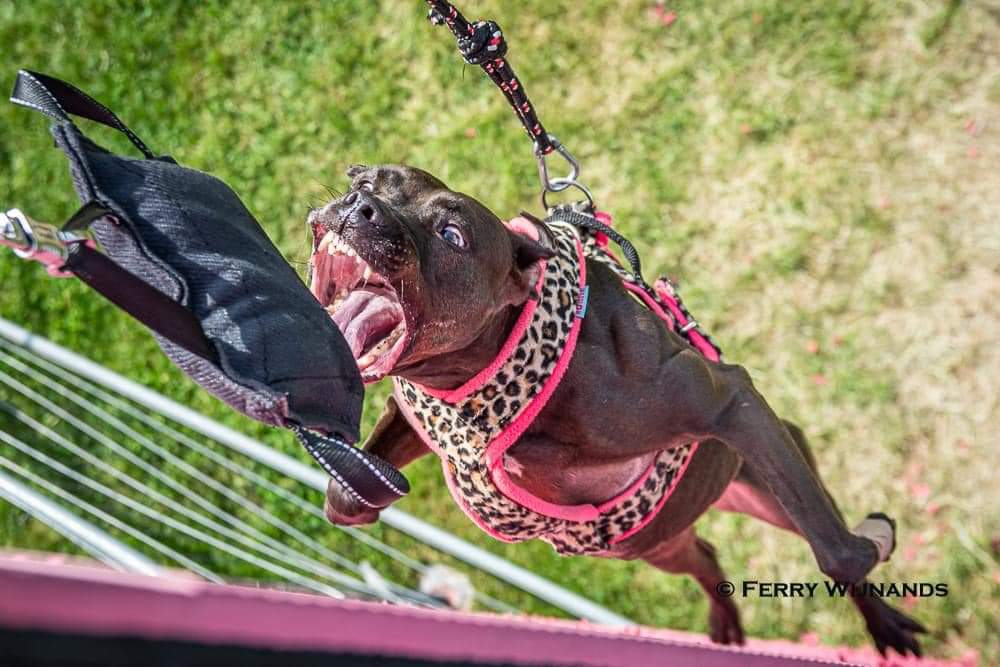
{"type": "Point", "coordinates": [822, 177]}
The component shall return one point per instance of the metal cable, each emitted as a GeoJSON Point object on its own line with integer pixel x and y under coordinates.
{"type": "Point", "coordinates": [243, 471]}
{"type": "Point", "coordinates": [137, 437]}
{"type": "Point", "coordinates": [279, 554]}
{"type": "Point", "coordinates": [169, 521]}
{"type": "Point", "coordinates": [313, 478]}
{"type": "Point", "coordinates": [185, 440]}
{"type": "Point", "coordinates": [111, 520]}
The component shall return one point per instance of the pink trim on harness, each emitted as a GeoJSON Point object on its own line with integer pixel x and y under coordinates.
{"type": "Point", "coordinates": [521, 226]}
{"type": "Point", "coordinates": [665, 292]}
{"type": "Point", "coordinates": [496, 449]}
{"type": "Point", "coordinates": [482, 377]}
{"type": "Point", "coordinates": [498, 446]}
{"type": "Point", "coordinates": [414, 422]}
{"type": "Point", "coordinates": [663, 499]}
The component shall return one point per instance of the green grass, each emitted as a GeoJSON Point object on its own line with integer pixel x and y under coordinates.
{"type": "Point", "coordinates": [821, 177]}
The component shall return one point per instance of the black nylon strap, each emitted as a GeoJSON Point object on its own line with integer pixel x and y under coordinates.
{"type": "Point", "coordinates": [143, 302]}
{"type": "Point", "coordinates": [136, 297]}
{"type": "Point", "coordinates": [382, 486]}
{"type": "Point", "coordinates": [589, 222]}
{"type": "Point", "coordinates": [57, 99]}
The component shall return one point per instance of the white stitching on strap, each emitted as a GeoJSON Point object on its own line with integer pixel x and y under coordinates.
{"type": "Point", "coordinates": [336, 476]}
{"type": "Point", "coordinates": [44, 90]}
{"type": "Point", "coordinates": [30, 105]}
{"type": "Point", "coordinates": [375, 470]}
{"type": "Point", "coordinates": [118, 124]}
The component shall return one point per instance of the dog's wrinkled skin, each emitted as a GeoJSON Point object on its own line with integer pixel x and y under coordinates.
{"type": "Point", "coordinates": [633, 388]}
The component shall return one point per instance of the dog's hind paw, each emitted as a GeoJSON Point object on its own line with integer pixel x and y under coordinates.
{"type": "Point", "coordinates": [891, 628]}
{"type": "Point", "coordinates": [724, 623]}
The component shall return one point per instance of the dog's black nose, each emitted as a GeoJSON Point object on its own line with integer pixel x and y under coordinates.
{"type": "Point", "coordinates": [360, 208]}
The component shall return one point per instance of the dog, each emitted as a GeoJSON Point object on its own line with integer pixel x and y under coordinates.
{"type": "Point", "coordinates": [427, 286]}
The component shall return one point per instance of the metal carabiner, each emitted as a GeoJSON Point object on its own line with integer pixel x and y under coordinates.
{"type": "Point", "coordinates": [38, 241]}
{"type": "Point", "coordinates": [557, 184]}
{"type": "Point", "coordinates": [565, 184]}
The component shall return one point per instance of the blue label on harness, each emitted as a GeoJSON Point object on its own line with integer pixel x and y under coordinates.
{"type": "Point", "coordinates": [581, 305]}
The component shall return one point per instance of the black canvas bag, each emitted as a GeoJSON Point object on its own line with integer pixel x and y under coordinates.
{"type": "Point", "coordinates": [184, 256]}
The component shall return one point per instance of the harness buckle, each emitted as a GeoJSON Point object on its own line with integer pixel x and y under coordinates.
{"type": "Point", "coordinates": [39, 241]}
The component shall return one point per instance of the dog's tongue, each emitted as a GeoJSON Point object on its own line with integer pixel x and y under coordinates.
{"type": "Point", "coordinates": [364, 316]}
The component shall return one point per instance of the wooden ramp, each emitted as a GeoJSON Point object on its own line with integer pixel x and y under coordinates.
{"type": "Point", "coordinates": [62, 611]}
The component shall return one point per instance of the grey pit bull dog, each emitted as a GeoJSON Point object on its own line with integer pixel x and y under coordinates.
{"type": "Point", "coordinates": [427, 284]}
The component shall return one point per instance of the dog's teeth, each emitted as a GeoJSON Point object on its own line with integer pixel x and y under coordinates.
{"type": "Point", "coordinates": [366, 361]}
{"type": "Point", "coordinates": [324, 244]}
{"type": "Point", "coordinates": [367, 273]}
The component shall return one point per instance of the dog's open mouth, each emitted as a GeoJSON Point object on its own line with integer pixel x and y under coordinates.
{"type": "Point", "coordinates": [362, 304]}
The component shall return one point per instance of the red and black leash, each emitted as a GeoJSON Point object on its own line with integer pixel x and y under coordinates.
{"type": "Point", "coordinates": [482, 43]}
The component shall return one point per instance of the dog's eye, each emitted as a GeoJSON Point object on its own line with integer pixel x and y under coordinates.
{"type": "Point", "coordinates": [366, 186]}
{"type": "Point", "coordinates": [453, 235]}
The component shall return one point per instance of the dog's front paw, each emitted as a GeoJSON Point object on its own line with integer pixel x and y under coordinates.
{"type": "Point", "coordinates": [343, 509]}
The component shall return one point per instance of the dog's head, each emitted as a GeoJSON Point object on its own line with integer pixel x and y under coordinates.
{"type": "Point", "coordinates": [410, 270]}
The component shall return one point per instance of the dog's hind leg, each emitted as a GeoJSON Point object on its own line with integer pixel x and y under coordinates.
{"type": "Point", "coordinates": [689, 554]}
{"type": "Point", "coordinates": [749, 495]}
{"type": "Point", "coordinates": [709, 400]}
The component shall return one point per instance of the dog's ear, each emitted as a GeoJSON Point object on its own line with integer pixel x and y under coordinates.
{"type": "Point", "coordinates": [527, 266]}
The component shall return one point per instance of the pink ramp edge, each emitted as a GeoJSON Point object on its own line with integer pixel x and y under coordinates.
{"type": "Point", "coordinates": [60, 595]}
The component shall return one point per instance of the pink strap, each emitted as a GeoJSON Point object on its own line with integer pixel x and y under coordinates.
{"type": "Point", "coordinates": [519, 225]}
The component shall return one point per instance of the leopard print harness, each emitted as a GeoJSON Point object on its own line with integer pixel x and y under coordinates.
{"type": "Point", "coordinates": [470, 428]}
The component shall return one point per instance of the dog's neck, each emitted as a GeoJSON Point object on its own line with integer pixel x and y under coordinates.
{"type": "Point", "coordinates": [453, 369]}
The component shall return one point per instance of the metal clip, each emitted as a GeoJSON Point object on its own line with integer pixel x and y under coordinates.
{"type": "Point", "coordinates": [562, 183]}
{"type": "Point", "coordinates": [39, 241]}
{"type": "Point", "coordinates": [565, 184]}
{"type": "Point", "coordinates": [557, 184]}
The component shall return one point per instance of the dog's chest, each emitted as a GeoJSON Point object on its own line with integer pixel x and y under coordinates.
{"type": "Point", "coordinates": [473, 427]}
{"type": "Point", "coordinates": [557, 473]}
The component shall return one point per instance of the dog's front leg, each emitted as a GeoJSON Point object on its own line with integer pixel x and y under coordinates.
{"type": "Point", "coordinates": [719, 400]}
{"type": "Point", "coordinates": [392, 440]}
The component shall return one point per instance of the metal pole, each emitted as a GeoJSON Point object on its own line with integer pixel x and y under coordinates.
{"type": "Point", "coordinates": [313, 477]}
{"type": "Point", "coordinates": [91, 538]}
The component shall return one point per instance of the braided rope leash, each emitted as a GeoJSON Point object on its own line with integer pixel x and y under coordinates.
{"type": "Point", "coordinates": [482, 43]}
